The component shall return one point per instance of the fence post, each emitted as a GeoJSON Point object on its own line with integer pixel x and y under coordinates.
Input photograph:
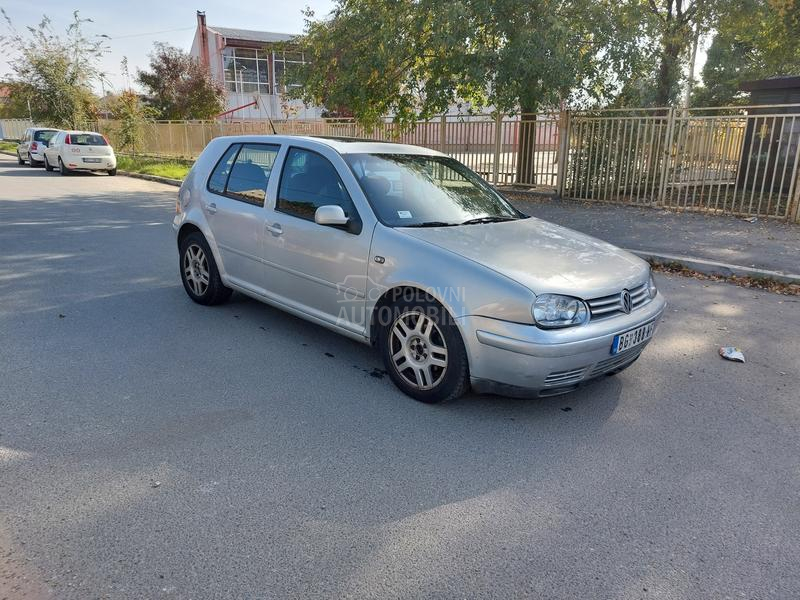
{"type": "Point", "coordinates": [665, 165]}
{"type": "Point", "coordinates": [562, 153]}
{"type": "Point", "coordinates": [794, 193]}
{"type": "Point", "coordinates": [442, 133]}
{"type": "Point", "coordinates": [498, 147]}
{"type": "Point", "coordinates": [186, 138]}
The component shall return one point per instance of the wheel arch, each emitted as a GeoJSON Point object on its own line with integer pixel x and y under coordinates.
{"type": "Point", "coordinates": [186, 229]}
{"type": "Point", "coordinates": [392, 295]}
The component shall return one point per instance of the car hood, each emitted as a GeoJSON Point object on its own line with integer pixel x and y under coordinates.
{"type": "Point", "coordinates": [544, 257]}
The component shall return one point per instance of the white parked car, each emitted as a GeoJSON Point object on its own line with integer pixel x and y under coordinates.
{"type": "Point", "coordinates": [80, 151]}
{"type": "Point", "coordinates": [32, 145]}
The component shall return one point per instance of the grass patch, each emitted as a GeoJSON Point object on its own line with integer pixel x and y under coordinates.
{"type": "Point", "coordinates": [173, 169]}
{"type": "Point", "coordinates": [6, 146]}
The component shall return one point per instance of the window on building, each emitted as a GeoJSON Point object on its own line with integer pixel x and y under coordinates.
{"type": "Point", "coordinates": [286, 64]}
{"type": "Point", "coordinates": [246, 70]}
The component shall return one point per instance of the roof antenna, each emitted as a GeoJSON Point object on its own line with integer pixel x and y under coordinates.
{"type": "Point", "coordinates": [271, 124]}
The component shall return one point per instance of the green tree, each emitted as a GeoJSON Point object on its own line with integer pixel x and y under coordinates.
{"type": "Point", "coordinates": [755, 41]}
{"type": "Point", "coordinates": [132, 117]}
{"type": "Point", "coordinates": [54, 73]}
{"type": "Point", "coordinates": [416, 58]}
{"type": "Point", "coordinates": [15, 105]}
{"type": "Point", "coordinates": [179, 86]}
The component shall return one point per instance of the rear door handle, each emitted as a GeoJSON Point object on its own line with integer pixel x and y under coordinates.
{"type": "Point", "coordinates": [212, 208]}
{"type": "Point", "coordinates": [275, 229]}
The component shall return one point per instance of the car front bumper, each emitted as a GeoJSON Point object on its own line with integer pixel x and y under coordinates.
{"type": "Point", "coordinates": [515, 359]}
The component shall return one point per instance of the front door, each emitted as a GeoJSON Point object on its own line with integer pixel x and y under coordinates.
{"type": "Point", "coordinates": [319, 269]}
{"type": "Point", "coordinates": [235, 210]}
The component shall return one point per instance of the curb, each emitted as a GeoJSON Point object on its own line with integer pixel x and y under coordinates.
{"type": "Point", "coordinates": [708, 267]}
{"type": "Point", "coordinates": [156, 178]}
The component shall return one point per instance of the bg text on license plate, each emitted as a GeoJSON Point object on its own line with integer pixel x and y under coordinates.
{"type": "Point", "coordinates": [634, 337]}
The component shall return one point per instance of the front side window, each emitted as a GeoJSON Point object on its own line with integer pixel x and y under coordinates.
{"type": "Point", "coordinates": [417, 190]}
{"type": "Point", "coordinates": [244, 172]}
{"type": "Point", "coordinates": [309, 181]}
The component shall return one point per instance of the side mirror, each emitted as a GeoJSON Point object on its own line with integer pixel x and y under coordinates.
{"type": "Point", "coordinates": [330, 214]}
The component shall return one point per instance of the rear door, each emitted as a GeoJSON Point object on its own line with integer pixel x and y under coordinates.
{"type": "Point", "coordinates": [234, 207]}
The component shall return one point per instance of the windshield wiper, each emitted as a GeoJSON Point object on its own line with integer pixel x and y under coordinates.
{"type": "Point", "coordinates": [479, 220]}
{"type": "Point", "coordinates": [430, 224]}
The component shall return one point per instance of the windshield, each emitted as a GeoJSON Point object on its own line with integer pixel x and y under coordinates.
{"type": "Point", "coordinates": [407, 190]}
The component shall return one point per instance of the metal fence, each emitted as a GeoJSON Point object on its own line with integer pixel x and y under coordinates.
{"type": "Point", "coordinates": [13, 129]}
{"type": "Point", "coordinates": [733, 160]}
{"type": "Point", "coordinates": [740, 161]}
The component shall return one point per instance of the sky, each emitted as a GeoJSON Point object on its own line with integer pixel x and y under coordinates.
{"type": "Point", "coordinates": [134, 26]}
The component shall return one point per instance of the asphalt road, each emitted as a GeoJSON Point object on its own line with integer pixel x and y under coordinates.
{"type": "Point", "coordinates": [154, 448]}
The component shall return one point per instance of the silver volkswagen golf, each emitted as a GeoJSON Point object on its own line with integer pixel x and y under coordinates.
{"type": "Point", "coordinates": [407, 249]}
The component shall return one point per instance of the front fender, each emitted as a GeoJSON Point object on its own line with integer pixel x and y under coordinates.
{"type": "Point", "coordinates": [462, 286]}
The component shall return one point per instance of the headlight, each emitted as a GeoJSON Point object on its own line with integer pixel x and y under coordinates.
{"type": "Point", "coordinates": [551, 311]}
{"type": "Point", "coordinates": [651, 287]}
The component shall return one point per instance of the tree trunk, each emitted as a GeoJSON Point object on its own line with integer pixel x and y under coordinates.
{"type": "Point", "coordinates": [526, 148]}
{"type": "Point", "coordinates": [669, 71]}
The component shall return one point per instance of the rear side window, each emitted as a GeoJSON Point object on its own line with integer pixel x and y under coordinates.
{"type": "Point", "coordinates": [244, 172]}
{"type": "Point", "coordinates": [309, 181]}
{"type": "Point", "coordinates": [219, 176]}
{"type": "Point", "coordinates": [86, 139]}
{"type": "Point", "coordinates": [44, 136]}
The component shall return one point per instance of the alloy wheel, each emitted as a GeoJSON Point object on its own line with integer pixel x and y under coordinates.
{"type": "Point", "coordinates": [418, 350]}
{"type": "Point", "coordinates": [195, 269]}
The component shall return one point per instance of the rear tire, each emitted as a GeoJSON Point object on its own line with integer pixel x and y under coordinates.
{"type": "Point", "coordinates": [422, 349]}
{"type": "Point", "coordinates": [199, 272]}
{"type": "Point", "coordinates": [33, 163]}
{"type": "Point", "coordinates": [61, 168]}
{"type": "Point", "coordinates": [112, 172]}
{"type": "Point", "coordinates": [47, 165]}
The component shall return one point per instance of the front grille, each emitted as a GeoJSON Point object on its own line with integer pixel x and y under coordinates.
{"type": "Point", "coordinates": [609, 306]}
{"type": "Point", "coordinates": [561, 382]}
{"type": "Point", "coordinates": [619, 360]}
{"type": "Point", "coordinates": [559, 378]}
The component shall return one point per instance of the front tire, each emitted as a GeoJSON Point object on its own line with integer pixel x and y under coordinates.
{"type": "Point", "coordinates": [199, 272]}
{"type": "Point", "coordinates": [422, 349]}
{"type": "Point", "coordinates": [61, 168]}
{"type": "Point", "coordinates": [20, 160]}
{"type": "Point", "coordinates": [47, 165]}
{"type": "Point", "coordinates": [112, 172]}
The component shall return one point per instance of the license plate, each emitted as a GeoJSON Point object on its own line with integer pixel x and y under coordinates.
{"type": "Point", "coordinates": [634, 337]}
{"type": "Point", "coordinates": [91, 160]}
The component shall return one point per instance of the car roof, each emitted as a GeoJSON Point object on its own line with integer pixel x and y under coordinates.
{"type": "Point", "coordinates": [44, 129]}
{"type": "Point", "coordinates": [342, 145]}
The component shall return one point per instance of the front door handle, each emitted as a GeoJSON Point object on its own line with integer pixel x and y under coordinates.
{"type": "Point", "coordinates": [274, 229]}
{"type": "Point", "coordinates": [212, 208]}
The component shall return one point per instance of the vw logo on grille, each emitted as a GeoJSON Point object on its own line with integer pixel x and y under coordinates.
{"type": "Point", "coordinates": [625, 301]}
